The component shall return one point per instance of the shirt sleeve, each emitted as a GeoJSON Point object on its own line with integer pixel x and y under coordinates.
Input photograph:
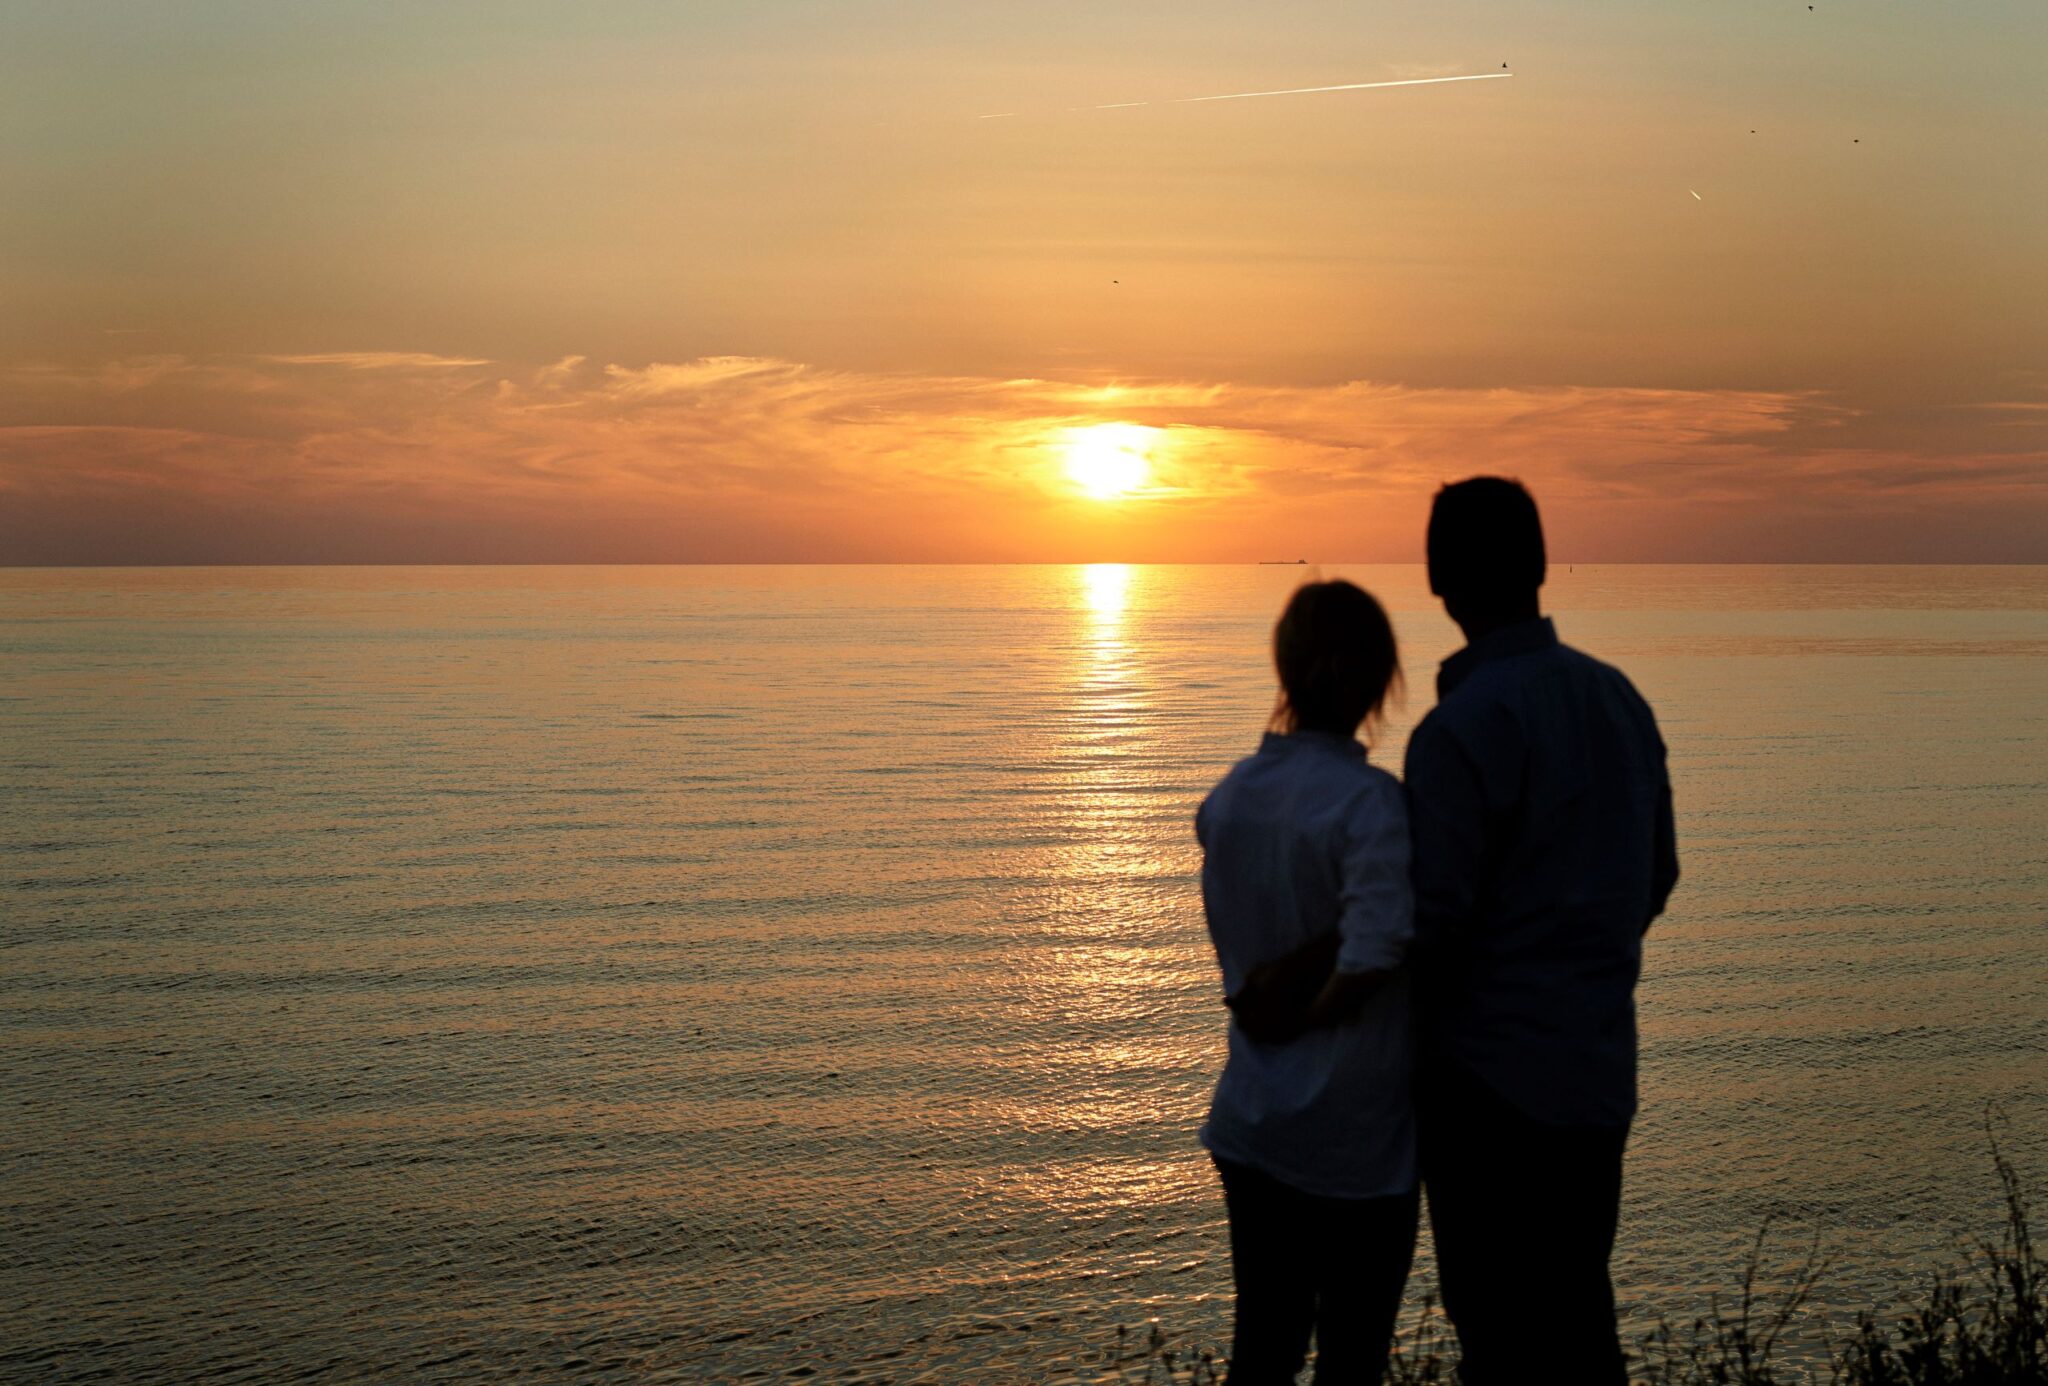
{"type": "Point", "coordinates": [1377, 903]}
{"type": "Point", "coordinates": [1447, 820]}
{"type": "Point", "coordinates": [1664, 870]}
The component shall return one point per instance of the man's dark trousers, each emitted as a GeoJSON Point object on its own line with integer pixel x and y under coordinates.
{"type": "Point", "coordinates": [1523, 1215]}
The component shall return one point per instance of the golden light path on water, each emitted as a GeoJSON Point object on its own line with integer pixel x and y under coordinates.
{"type": "Point", "coordinates": [1105, 971]}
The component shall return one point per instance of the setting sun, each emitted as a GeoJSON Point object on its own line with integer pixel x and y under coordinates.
{"type": "Point", "coordinates": [1110, 461]}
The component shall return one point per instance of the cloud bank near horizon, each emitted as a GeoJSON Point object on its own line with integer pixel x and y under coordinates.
{"type": "Point", "coordinates": [404, 456]}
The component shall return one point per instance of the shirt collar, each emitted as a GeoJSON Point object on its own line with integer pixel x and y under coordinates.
{"type": "Point", "coordinates": [1523, 637]}
{"type": "Point", "coordinates": [1318, 740]}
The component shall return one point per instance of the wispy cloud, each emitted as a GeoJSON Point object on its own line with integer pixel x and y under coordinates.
{"type": "Point", "coordinates": [2024, 413]}
{"type": "Point", "coordinates": [418, 456]}
{"type": "Point", "coordinates": [378, 360]}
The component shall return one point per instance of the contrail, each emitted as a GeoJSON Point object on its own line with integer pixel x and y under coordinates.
{"type": "Point", "coordinates": [1348, 86]}
{"type": "Point", "coordinates": [1295, 91]}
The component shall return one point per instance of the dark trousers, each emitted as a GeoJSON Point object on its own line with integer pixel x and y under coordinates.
{"type": "Point", "coordinates": [1523, 1215]}
{"type": "Point", "coordinates": [1334, 1266]}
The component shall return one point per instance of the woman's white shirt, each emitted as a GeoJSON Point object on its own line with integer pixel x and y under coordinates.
{"type": "Point", "coordinates": [1301, 838]}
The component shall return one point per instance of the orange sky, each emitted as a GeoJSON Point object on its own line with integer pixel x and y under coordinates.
{"type": "Point", "coordinates": [515, 282]}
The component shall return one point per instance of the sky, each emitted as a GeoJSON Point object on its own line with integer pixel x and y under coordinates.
{"type": "Point", "coordinates": [757, 281]}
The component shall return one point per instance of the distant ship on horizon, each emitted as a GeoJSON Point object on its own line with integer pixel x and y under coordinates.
{"type": "Point", "coordinates": [1283, 562]}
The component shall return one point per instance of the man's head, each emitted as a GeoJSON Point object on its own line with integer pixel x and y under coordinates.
{"type": "Point", "coordinates": [1486, 555]}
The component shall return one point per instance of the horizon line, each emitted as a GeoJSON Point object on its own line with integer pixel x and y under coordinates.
{"type": "Point", "coordinates": [1017, 563]}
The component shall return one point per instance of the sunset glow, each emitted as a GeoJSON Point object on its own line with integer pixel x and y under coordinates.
{"type": "Point", "coordinates": [1110, 461]}
{"type": "Point", "coordinates": [753, 283]}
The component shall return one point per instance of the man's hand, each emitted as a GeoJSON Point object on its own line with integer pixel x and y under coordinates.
{"type": "Point", "coordinates": [1273, 1004]}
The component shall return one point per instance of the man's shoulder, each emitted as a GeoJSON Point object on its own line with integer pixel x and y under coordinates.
{"type": "Point", "coordinates": [1505, 680]}
{"type": "Point", "coordinates": [1575, 658]}
{"type": "Point", "coordinates": [1482, 695]}
{"type": "Point", "coordinates": [1498, 697]}
{"type": "Point", "coordinates": [1599, 671]}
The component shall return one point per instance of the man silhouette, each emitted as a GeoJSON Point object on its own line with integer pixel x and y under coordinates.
{"type": "Point", "coordinates": [1543, 848]}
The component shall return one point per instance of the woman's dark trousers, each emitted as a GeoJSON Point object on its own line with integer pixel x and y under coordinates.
{"type": "Point", "coordinates": [1334, 1267]}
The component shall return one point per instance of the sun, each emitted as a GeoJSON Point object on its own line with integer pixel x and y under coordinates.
{"type": "Point", "coordinates": [1110, 461]}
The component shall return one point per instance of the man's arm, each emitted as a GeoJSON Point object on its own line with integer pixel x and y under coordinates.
{"type": "Point", "coordinates": [1664, 870]}
{"type": "Point", "coordinates": [1447, 822]}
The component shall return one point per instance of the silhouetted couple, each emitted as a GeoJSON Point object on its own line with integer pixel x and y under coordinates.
{"type": "Point", "coordinates": [1433, 984]}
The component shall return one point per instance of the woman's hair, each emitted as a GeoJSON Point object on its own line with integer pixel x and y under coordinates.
{"type": "Point", "coordinates": [1334, 649]}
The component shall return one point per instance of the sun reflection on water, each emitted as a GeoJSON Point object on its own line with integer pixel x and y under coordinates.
{"type": "Point", "coordinates": [1105, 587]}
{"type": "Point", "coordinates": [1111, 749]}
{"type": "Point", "coordinates": [1117, 964]}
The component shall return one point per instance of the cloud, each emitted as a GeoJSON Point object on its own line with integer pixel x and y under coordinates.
{"type": "Point", "coordinates": [417, 457]}
{"type": "Point", "coordinates": [560, 375]}
{"type": "Point", "coordinates": [378, 360]}
{"type": "Point", "coordinates": [2032, 413]}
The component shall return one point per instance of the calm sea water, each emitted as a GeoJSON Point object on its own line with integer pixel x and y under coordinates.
{"type": "Point", "coordinates": [700, 973]}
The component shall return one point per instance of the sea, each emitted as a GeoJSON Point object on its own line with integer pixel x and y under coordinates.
{"type": "Point", "coordinates": [741, 973]}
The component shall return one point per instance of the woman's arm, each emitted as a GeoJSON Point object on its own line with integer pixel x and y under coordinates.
{"type": "Point", "coordinates": [1342, 997]}
{"type": "Point", "coordinates": [1325, 981]}
{"type": "Point", "coordinates": [1275, 1000]}
{"type": "Point", "coordinates": [1300, 992]}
